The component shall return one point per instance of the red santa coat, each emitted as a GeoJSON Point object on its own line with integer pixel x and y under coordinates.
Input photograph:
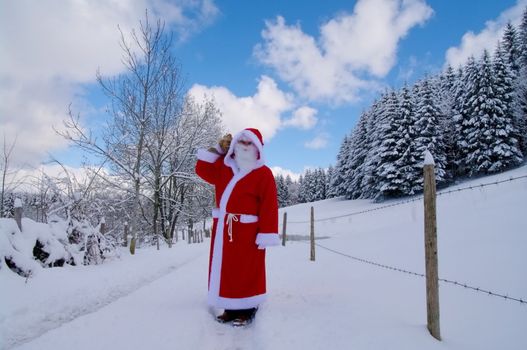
{"type": "Point", "coordinates": [245, 222]}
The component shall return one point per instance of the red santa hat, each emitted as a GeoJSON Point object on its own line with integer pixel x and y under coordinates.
{"type": "Point", "coordinates": [257, 133]}
{"type": "Point", "coordinates": [252, 134]}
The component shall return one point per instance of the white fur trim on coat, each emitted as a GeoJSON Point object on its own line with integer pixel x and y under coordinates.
{"type": "Point", "coordinates": [264, 240]}
{"type": "Point", "coordinates": [207, 156]}
{"type": "Point", "coordinates": [239, 303]}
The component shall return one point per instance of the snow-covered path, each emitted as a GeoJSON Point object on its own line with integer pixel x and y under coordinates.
{"type": "Point", "coordinates": [312, 305]}
{"type": "Point", "coordinates": [160, 314]}
{"type": "Point", "coordinates": [170, 312]}
{"type": "Point", "coordinates": [86, 293]}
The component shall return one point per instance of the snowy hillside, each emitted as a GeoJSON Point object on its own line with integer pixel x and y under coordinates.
{"type": "Point", "coordinates": [157, 300]}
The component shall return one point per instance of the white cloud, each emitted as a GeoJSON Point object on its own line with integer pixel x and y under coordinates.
{"type": "Point", "coordinates": [303, 118]}
{"type": "Point", "coordinates": [473, 44]}
{"type": "Point", "coordinates": [284, 172]}
{"type": "Point", "coordinates": [263, 110]}
{"type": "Point", "coordinates": [50, 48]}
{"type": "Point", "coordinates": [349, 46]}
{"type": "Point", "coordinates": [320, 141]}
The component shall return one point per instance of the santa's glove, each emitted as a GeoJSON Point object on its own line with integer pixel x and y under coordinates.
{"type": "Point", "coordinates": [215, 150]}
{"type": "Point", "coordinates": [223, 145]}
{"type": "Point", "coordinates": [225, 142]}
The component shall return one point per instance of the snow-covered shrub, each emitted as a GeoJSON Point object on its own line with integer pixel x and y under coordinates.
{"type": "Point", "coordinates": [57, 243]}
{"type": "Point", "coordinates": [37, 246]}
{"type": "Point", "coordinates": [94, 246]}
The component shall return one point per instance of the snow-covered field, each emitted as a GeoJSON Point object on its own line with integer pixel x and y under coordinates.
{"type": "Point", "coordinates": [157, 299]}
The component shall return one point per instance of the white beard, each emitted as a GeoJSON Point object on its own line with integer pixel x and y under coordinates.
{"type": "Point", "coordinates": [245, 156]}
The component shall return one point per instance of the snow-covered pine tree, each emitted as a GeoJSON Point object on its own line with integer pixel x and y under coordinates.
{"type": "Point", "coordinates": [320, 184]}
{"type": "Point", "coordinates": [374, 138]}
{"type": "Point", "coordinates": [480, 110]}
{"type": "Point", "coordinates": [504, 148]}
{"type": "Point", "coordinates": [279, 181]}
{"type": "Point", "coordinates": [446, 101]}
{"type": "Point", "coordinates": [292, 188]}
{"type": "Point", "coordinates": [521, 86]}
{"type": "Point", "coordinates": [454, 155]}
{"type": "Point", "coordinates": [356, 161]}
{"type": "Point", "coordinates": [282, 191]}
{"type": "Point", "coordinates": [428, 130]}
{"type": "Point", "coordinates": [301, 198]}
{"type": "Point", "coordinates": [512, 57]}
{"type": "Point", "coordinates": [310, 180]}
{"type": "Point", "coordinates": [511, 48]}
{"type": "Point", "coordinates": [316, 189]}
{"type": "Point", "coordinates": [310, 185]}
{"type": "Point", "coordinates": [306, 187]}
{"type": "Point", "coordinates": [447, 91]}
{"type": "Point", "coordinates": [410, 163]}
{"type": "Point", "coordinates": [329, 176]}
{"type": "Point", "coordinates": [337, 182]}
{"type": "Point", "coordinates": [463, 120]}
{"type": "Point", "coordinates": [390, 182]}
{"type": "Point", "coordinates": [346, 170]}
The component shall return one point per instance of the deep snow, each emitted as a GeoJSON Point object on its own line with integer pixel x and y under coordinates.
{"type": "Point", "coordinates": [157, 299]}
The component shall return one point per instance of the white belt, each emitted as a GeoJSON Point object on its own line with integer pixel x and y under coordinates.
{"type": "Point", "coordinates": [244, 219]}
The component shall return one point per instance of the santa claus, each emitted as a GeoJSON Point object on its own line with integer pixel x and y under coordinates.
{"type": "Point", "coordinates": [245, 222]}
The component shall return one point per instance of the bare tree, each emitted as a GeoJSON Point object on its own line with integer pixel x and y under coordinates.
{"type": "Point", "coordinates": [150, 140]}
{"type": "Point", "coordinates": [167, 107]}
{"type": "Point", "coordinates": [10, 179]}
{"type": "Point", "coordinates": [137, 97]}
{"type": "Point", "coordinates": [199, 126]}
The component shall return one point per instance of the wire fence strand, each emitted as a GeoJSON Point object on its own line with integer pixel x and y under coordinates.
{"type": "Point", "coordinates": [455, 283]}
{"type": "Point", "coordinates": [418, 198]}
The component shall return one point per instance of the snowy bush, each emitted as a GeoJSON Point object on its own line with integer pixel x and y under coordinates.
{"type": "Point", "coordinates": [57, 243]}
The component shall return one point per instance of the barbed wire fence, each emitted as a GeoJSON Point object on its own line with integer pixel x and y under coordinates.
{"type": "Point", "coordinates": [393, 268]}
{"type": "Point", "coordinates": [422, 275]}
{"type": "Point", "coordinates": [415, 199]}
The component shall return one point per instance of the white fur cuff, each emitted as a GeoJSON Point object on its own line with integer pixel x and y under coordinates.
{"type": "Point", "coordinates": [207, 156]}
{"type": "Point", "coordinates": [264, 240]}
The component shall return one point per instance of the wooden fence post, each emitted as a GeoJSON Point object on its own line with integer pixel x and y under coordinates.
{"type": "Point", "coordinates": [284, 227]}
{"type": "Point", "coordinates": [432, 282]}
{"type": "Point", "coordinates": [312, 234]}
{"type": "Point", "coordinates": [18, 213]}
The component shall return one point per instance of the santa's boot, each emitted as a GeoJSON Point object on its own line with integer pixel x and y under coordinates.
{"type": "Point", "coordinates": [244, 317]}
{"type": "Point", "coordinates": [227, 316]}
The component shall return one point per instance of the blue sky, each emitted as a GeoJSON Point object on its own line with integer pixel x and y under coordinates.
{"type": "Point", "coordinates": [301, 71]}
